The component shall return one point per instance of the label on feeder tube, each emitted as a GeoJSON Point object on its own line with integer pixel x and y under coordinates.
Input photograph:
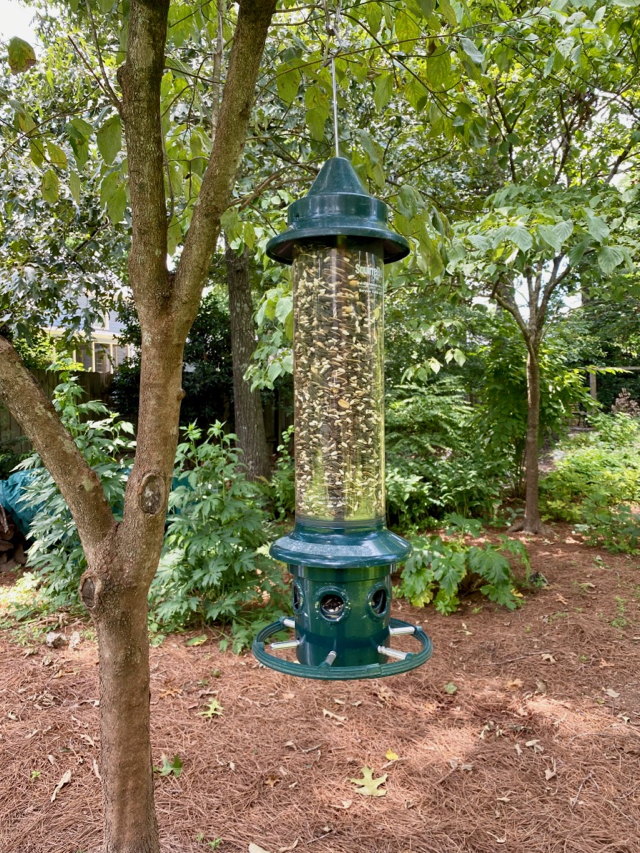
{"type": "Point", "coordinates": [339, 380]}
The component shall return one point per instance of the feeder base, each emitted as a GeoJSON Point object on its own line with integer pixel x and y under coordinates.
{"type": "Point", "coordinates": [330, 670]}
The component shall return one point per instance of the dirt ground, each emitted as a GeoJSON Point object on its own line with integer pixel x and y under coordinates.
{"type": "Point", "coordinates": [521, 734]}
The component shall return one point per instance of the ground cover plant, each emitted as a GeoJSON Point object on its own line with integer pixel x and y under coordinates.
{"type": "Point", "coordinates": [443, 568]}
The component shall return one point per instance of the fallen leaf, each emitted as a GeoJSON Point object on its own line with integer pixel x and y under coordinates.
{"type": "Point", "coordinates": [550, 772]}
{"type": "Point", "coordinates": [549, 658]}
{"type": "Point", "coordinates": [288, 696]}
{"type": "Point", "coordinates": [561, 599]}
{"type": "Point", "coordinates": [535, 745]}
{"type": "Point", "coordinates": [450, 687]}
{"type": "Point", "coordinates": [254, 848]}
{"type": "Point", "coordinates": [368, 786]}
{"type": "Point", "coordinates": [197, 641]}
{"type": "Point", "coordinates": [290, 847]}
{"type": "Point", "coordinates": [333, 716]}
{"type": "Point", "coordinates": [391, 755]}
{"type": "Point", "coordinates": [96, 769]}
{"type": "Point", "coordinates": [64, 780]}
{"type": "Point", "coordinates": [604, 663]}
{"type": "Point", "coordinates": [611, 693]}
{"type": "Point", "coordinates": [518, 749]}
{"type": "Point", "coordinates": [55, 640]}
{"type": "Point", "coordinates": [213, 709]}
{"type": "Point", "coordinates": [515, 684]}
{"type": "Point", "coordinates": [346, 803]}
{"type": "Point", "coordinates": [272, 781]}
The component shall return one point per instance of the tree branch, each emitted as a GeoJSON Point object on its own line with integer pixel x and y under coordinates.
{"type": "Point", "coordinates": [140, 78]}
{"type": "Point", "coordinates": [237, 99]}
{"type": "Point", "coordinates": [78, 483]}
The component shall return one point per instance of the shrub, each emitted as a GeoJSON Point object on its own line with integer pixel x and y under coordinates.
{"type": "Point", "coordinates": [215, 561]}
{"type": "Point", "coordinates": [441, 569]}
{"type": "Point", "coordinates": [281, 489]}
{"type": "Point", "coordinates": [56, 555]}
{"type": "Point", "coordinates": [213, 564]}
{"type": "Point", "coordinates": [437, 459]}
{"type": "Point", "coordinates": [600, 468]}
{"type": "Point", "coordinates": [596, 483]}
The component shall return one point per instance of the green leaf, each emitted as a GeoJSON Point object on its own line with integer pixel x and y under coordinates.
{"type": "Point", "coordinates": [408, 31]}
{"type": "Point", "coordinates": [447, 11]}
{"type": "Point", "coordinates": [288, 82]}
{"type": "Point", "coordinates": [169, 767]}
{"type": "Point", "coordinates": [56, 155]}
{"type": "Point", "coordinates": [597, 227]}
{"type": "Point", "coordinates": [109, 139]}
{"type": "Point", "coordinates": [408, 202]}
{"type": "Point", "coordinates": [74, 186]}
{"type": "Point", "coordinates": [609, 258]}
{"type": "Point", "coordinates": [22, 56]}
{"type": "Point", "coordinates": [37, 152]}
{"type": "Point", "coordinates": [50, 186]}
{"type": "Point", "coordinates": [450, 688]}
{"type": "Point", "coordinates": [197, 641]}
{"type": "Point", "coordinates": [284, 308]}
{"type": "Point", "coordinates": [519, 235]}
{"type": "Point", "coordinates": [439, 68]}
{"type": "Point", "coordinates": [117, 205]}
{"type": "Point", "coordinates": [174, 235]}
{"type": "Point", "coordinates": [83, 127]}
{"type": "Point", "coordinates": [474, 53]}
{"type": "Point", "coordinates": [556, 235]}
{"type": "Point", "coordinates": [383, 90]}
{"type": "Point", "coordinates": [316, 120]}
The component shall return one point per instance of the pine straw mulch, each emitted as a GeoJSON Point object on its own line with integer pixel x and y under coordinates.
{"type": "Point", "coordinates": [538, 749]}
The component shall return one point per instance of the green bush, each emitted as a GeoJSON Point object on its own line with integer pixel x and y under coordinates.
{"type": "Point", "coordinates": [440, 570]}
{"type": "Point", "coordinates": [215, 561]}
{"type": "Point", "coordinates": [600, 469]}
{"type": "Point", "coordinates": [56, 555]}
{"type": "Point", "coordinates": [213, 566]}
{"type": "Point", "coordinates": [281, 489]}
{"type": "Point", "coordinates": [596, 483]}
{"type": "Point", "coordinates": [437, 459]}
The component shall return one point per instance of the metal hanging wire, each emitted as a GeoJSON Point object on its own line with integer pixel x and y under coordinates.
{"type": "Point", "coordinates": [333, 32]}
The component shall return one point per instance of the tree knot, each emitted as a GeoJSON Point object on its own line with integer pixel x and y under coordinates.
{"type": "Point", "coordinates": [151, 493]}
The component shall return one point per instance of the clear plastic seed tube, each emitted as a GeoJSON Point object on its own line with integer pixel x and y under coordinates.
{"type": "Point", "coordinates": [339, 380]}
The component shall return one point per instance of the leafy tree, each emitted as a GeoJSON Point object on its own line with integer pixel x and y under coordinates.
{"type": "Point", "coordinates": [557, 99]}
{"type": "Point", "coordinates": [122, 557]}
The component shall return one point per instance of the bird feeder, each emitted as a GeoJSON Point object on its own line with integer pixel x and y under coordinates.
{"type": "Point", "coordinates": [341, 554]}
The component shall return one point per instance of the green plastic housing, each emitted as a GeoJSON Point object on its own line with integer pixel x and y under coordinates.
{"type": "Point", "coordinates": [340, 554]}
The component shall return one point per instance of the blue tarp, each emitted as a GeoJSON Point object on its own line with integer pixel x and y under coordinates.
{"type": "Point", "coordinates": [11, 494]}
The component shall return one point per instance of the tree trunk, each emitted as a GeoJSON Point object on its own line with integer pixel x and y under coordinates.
{"type": "Point", "coordinates": [247, 404]}
{"type": "Point", "coordinates": [532, 522]}
{"type": "Point", "coordinates": [120, 616]}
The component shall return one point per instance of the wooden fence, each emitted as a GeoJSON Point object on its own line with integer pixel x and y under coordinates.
{"type": "Point", "coordinates": [95, 385]}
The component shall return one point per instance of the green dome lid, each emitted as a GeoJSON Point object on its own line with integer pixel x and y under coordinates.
{"type": "Point", "coordinates": [337, 205]}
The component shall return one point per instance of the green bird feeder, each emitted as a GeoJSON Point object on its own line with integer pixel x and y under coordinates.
{"type": "Point", "coordinates": [341, 554]}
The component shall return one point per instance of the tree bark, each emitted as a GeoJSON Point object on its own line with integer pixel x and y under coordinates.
{"type": "Point", "coordinates": [247, 404]}
{"type": "Point", "coordinates": [532, 522]}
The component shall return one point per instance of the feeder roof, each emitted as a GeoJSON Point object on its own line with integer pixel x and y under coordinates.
{"type": "Point", "coordinates": [337, 205]}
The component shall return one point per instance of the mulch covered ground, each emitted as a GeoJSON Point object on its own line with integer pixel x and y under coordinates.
{"type": "Point", "coordinates": [536, 749]}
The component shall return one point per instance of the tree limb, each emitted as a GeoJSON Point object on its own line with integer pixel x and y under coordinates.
{"type": "Point", "coordinates": [140, 78]}
{"type": "Point", "coordinates": [254, 17]}
{"type": "Point", "coordinates": [78, 483]}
